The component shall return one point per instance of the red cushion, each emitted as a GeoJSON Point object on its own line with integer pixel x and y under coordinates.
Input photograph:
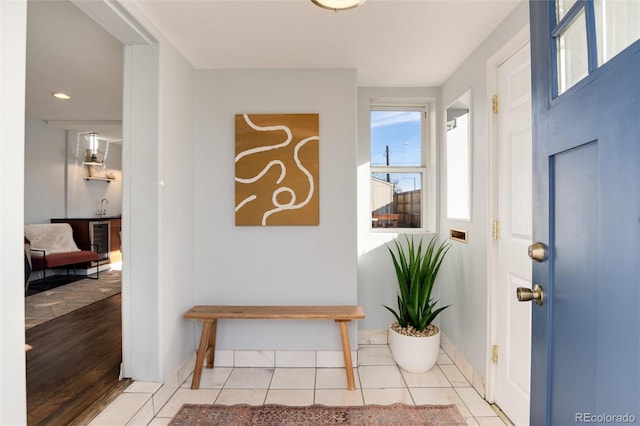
{"type": "Point", "coordinates": [63, 259]}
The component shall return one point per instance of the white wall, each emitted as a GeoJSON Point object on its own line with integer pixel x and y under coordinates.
{"type": "Point", "coordinates": [140, 205]}
{"type": "Point", "coordinates": [464, 274]}
{"type": "Point", "coordinates": [54, 176]}
{"type": "Point", "coordinates": [44, 172]}
{"type": "Point", "coordinates": [294, 265]}
{"type": "Point", "coordinates": [13, 32]}
{"type": "Point", "coordinates": [377, 283]}
{"type": "Point", "coordinates": [158, 210]}
{"type": "Point", "coordinates": [84, 196]}
{"type": "Point", "coordinates": [176, 279]}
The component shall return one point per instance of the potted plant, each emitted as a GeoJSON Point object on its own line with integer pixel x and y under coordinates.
{"type": "Point", "coordinates": [413, 339]}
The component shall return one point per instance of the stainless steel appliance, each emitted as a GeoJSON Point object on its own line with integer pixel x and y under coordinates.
{"type": "Point", "coordinates": [99, 235]}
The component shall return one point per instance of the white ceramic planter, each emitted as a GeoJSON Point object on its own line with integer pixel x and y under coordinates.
{"type": "Point", "coordinates": [414, 354]}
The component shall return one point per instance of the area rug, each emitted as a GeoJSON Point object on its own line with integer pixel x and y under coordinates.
{"type": "Point", "coordinates": [397, 414]}
{"type": "Point", "coordinates": [50, 304]}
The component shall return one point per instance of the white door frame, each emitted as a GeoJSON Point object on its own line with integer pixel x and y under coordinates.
{"type": "Point", "coordinates": [512, 46]}
{"type": "Point", "coordinates": [116, 19]}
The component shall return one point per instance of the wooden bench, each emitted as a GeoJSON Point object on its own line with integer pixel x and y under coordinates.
{"type": "Point", "coordinates": [209, 315]}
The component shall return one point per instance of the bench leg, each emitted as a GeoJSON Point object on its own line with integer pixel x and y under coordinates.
{"type": "Point", "coordinates": [211, 349]}
{"type": "Point", "coordinates": [346, 349]}
{"type": "Point", "coordinates": [202, 351]}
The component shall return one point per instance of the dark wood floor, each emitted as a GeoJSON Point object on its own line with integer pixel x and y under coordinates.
{"type": "Point", "coordinates": [75, 359]}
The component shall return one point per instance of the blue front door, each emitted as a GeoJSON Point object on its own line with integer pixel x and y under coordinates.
{"type": "Point", "coordinates": [586, 138]}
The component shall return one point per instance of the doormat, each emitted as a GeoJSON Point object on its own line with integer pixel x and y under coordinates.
{"type": "Point", "coordinates": [272, 414]}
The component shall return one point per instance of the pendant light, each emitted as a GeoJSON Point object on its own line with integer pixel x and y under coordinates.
{"type": "Point", "coordinates": [92, 152]}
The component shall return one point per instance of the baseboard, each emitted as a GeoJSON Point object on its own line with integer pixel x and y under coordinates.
{"type": "Point", "coordinates": [173, 383]}
{"type": "Point", "coordinates": [372, 337]}
{"type": "Point", "coordinates": [472, 375]}
{"type": "Point", "coordinates": [272, 359]}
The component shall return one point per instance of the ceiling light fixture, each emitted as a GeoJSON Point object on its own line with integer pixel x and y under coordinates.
{"type": "Point", "coordinates": [338, 4]}
{"type": "Point", "coordinates": [60, 95]}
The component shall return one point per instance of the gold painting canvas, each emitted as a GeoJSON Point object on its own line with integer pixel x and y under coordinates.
{"type": "Point", "coordinates": [277, 169]}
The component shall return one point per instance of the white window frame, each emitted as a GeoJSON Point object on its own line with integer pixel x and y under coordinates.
{"type": "Point", "coordinates": [426, 169]}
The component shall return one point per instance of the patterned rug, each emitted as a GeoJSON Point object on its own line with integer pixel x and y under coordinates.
{"type": "Point", "coordinates": [50, 304]}
{"type": "Point", "coordinates": [398, 414]}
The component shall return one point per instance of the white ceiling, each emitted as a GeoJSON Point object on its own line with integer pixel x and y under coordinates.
{"type": "Point", "coordinates": [390, 42]}
{"type": "Point", "coordinates": [68, 52]}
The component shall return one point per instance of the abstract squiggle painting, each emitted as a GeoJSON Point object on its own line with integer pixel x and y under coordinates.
{"type": "Point", "coordinates": [277, 169]}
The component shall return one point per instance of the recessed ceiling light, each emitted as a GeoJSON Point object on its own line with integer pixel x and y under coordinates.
{"type": "Point", "coordinates": [61, 95]}
{"type": "Point", "coordinates": [338, 4]}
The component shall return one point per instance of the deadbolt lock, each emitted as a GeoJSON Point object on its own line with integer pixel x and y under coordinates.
{"type": "Point", "coordinates": [538, 252]}
{"type": "Point", "coordinates": [526, 294]}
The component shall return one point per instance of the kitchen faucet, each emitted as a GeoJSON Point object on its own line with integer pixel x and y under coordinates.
{"type": "Point", "coordinates": [102, 212]}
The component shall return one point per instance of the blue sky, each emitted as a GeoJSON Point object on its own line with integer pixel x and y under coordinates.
{"type": "Point", "coordinates": [400, 130]}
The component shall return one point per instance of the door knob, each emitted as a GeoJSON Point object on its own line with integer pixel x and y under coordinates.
{"type": "Point", "coordinates": [526, 294]}
{"type": "Point", "coordinates": [538, 252]}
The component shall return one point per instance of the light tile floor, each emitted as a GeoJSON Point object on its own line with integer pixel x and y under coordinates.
{"type": "Point", "coordinates": [378, 381]}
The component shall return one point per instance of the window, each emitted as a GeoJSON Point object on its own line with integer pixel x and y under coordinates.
{"type": "Point", "coordinates": [398, 167]}
{"type": "Point", "coordinates": [459, 158]}
{"type": "Point", "coordinates": [572, 54]}
{"type": "Point", "coordinates": [589, 33]}
{"type": "Point", "coordinates": [563, 6]}
{"type": "Point", "coordinates": [617, 26]}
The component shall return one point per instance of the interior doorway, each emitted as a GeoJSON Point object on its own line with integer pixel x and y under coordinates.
{"type": "Point", "coordinates": [68, 52]}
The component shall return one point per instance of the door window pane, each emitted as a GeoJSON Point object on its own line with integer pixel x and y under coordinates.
{"type": "Point", "coordinates": [572, 54]}
{"type": "Point", "coordinates": [562, 7]}
{"type": "Point", "coordinates": [396, 138]}
{"type": "Point", "coordinates": [396, 200]}
{"type": "Point", "coordinates": [617, 26]}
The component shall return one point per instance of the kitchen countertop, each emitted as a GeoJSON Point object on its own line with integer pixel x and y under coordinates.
{"type": "Point", "coordinates": [88, 218]}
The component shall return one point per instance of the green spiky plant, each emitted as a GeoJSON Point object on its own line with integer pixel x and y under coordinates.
{"type": "Point", "coordinates": [416, 271]}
